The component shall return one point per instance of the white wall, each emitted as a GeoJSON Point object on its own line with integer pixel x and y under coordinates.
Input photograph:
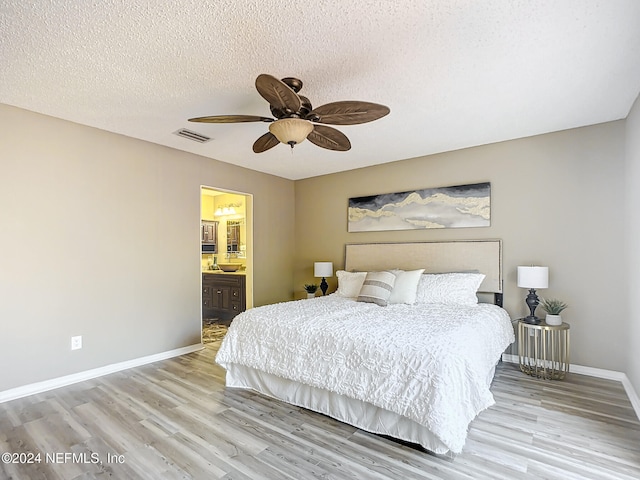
{"type": "Point", "coordinates": [633, 242]}
{"type": "Point", "coordinates": [100, 237]}
{"type": "Point", "coordinates": [556, 200]}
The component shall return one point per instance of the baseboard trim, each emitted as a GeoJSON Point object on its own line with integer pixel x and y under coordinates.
{"type": "Point", "coordinates": [599, 373]}
{"type": "Point", "coordinates": [632, 394]}
{"type": "Point", "coordinates": [39, 387]}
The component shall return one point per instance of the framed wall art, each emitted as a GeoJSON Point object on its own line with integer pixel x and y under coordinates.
{"type": "Point", "coordinates": [459, 206]}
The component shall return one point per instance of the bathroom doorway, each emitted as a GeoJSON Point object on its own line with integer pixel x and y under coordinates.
{"type": "Point", "coordinates": [226, 257]}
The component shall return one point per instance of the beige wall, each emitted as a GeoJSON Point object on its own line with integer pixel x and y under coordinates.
{"type": "Point", "coordinates": [100, 237]}
{"type": "Point", "coordinates": [557, 200]}
{"type": "Point", "coordinates": [633, 241]}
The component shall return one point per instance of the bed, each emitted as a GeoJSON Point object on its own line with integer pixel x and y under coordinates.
{"type": "Point", "coordinates": [416, 367]}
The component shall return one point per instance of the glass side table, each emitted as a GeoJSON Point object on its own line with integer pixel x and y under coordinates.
{"type": "Point", "coordinates": [543, 350]}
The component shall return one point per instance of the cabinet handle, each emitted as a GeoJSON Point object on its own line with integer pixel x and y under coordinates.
{"type": "Point", "coordinates": [219, 291]}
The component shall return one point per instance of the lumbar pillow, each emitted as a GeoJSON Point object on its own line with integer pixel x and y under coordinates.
{"type": "Point", "coordinates": [405, 286]}
{"type": "Point", "coordinates": [350, 283]}
{"type": "Point", "coordinates": [449, 288]}
{"type": "Point", "coordinates": [377, 288]}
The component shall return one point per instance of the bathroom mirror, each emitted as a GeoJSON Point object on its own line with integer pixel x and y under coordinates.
{"type": "Point", "coordinates": [233, 236]}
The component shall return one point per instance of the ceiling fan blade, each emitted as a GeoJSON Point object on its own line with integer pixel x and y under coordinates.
{"type": "Point", "coordinates": [329, 138]}
{"type": "Point", "coordinates": [265, 142]}
{"type": "Point", "coordinates": [349, 112]}
{"type": "Point", "coordinates": [277, 93]}
{"type": "Point", "coordinates": [231, 119]}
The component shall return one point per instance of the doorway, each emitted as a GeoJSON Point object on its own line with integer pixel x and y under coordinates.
{"type": "Point", "coordinates": [226, 257]}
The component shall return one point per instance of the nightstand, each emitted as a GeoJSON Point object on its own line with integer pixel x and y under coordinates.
{"type": "Point", "coordinates": [543, 350]}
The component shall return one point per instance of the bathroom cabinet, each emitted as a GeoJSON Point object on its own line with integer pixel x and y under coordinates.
{"type": "Point", "coordinates": [223, 295]}
{"type": "Point", "coordinates": [209, 236]}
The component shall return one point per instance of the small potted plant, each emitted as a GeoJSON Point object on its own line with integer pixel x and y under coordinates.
{"type": "Point", "coordinates": [311, 289]}
{"type": "Point", "coordinates": [553, 307]}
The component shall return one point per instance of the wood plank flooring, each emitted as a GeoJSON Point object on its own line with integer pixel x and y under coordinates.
{"type": "Point", "coordinates": [175, 420]}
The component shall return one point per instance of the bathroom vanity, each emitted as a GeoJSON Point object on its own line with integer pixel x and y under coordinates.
{"type": "Point", "coordinates": [223, 295]}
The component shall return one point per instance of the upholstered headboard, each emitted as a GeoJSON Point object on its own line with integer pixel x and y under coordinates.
{"type": "Point", "coordinates": [484, 256]}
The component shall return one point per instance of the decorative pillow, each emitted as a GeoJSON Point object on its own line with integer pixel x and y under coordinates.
{"type": "Point", "coordinates": [350, 283]}
{"type": "Point", "coordinates": [377, 288]}
{"type": "Point", "coordinates": [405, 286]}
{"type": "Point", "coordinates": [449, 288]}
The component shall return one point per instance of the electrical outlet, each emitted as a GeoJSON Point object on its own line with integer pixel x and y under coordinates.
{"type": "Point", "coordinates": [76, 342]}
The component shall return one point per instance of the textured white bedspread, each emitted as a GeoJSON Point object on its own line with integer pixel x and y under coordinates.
{"type": "Point", "coordinates": [427, 362]}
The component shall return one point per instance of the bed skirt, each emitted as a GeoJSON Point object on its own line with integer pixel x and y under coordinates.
{"type": "Point", "coordinates": [362, 415]}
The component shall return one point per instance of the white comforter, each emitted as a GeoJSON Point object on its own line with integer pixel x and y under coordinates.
{"type": "Point", "coordinates": [429, 363]}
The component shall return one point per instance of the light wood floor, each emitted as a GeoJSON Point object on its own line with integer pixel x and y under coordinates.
{"type": "Point", "coordinates": [174, 419]}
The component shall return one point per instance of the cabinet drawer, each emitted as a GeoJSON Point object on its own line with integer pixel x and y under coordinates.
{"type": "Point", "coordinates": [227, 280]}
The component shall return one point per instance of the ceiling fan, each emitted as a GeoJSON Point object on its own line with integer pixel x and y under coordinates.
{"type": "Point", "coordinates": [296, 119]}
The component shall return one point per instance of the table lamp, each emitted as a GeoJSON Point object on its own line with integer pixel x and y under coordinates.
{"type": "Point", "coordinates": [532, 278]}
{"type": "Point", "coordinates": [323, 269]}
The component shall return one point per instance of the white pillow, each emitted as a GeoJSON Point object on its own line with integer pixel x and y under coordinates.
{"type": "Point", "coordinates": [406, 286]}
{"type": "Point", "coordinates": [449, 288]}
{"type": "Point", "coordinates": [377, 288]}
{"type": "Point", "coordinates": [350, 283]}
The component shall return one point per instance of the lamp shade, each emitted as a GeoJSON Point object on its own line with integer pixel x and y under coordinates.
{"type": "Point", "coordinates": [533, 277]}
{"type": "Point", "coordinates": [323, 269]}
{"type": "Point", "coordinates": [291, 130]}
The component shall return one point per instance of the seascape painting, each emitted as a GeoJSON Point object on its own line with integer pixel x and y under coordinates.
{"type": "Point", "coordinates": [444, 207]}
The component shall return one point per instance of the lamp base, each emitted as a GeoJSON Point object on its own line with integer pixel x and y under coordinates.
{"type": "Point", "coordinates": [532, 302]}
{"type": "Point", "coordinates": [324, 286]}
{"type": "Point", "coordinates": [532, 320]}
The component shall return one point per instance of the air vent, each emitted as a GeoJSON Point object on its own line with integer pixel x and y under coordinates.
{"type": "Point", "coordinates": [191, 135]}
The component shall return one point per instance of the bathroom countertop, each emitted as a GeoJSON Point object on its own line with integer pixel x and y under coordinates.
{"type": "Point", "coordinates": [220, 272]}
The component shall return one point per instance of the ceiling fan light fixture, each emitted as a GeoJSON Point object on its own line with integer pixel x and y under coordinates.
{"type": "Point", "coordinates": [291, 131]}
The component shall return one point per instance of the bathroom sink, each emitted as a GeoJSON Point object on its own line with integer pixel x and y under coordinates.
{"type": "Point", "coordinates": [229, 267]}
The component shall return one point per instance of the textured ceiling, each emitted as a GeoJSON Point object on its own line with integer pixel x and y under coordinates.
{"type": "Point", "coordinates": [455, 73]}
